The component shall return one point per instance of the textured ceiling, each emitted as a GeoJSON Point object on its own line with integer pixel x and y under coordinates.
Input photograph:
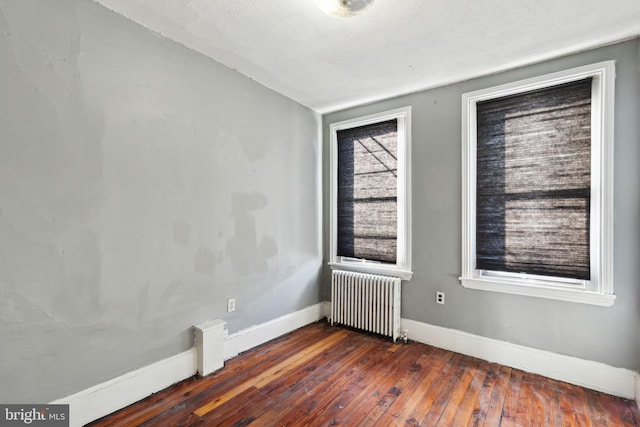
{"type": "Point", "coordinates": [396, 47]}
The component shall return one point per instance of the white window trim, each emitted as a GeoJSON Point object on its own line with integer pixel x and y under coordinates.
{"type": "Point", "coordinates": [402, 268]}
{"type": "Point", "coordinates": [599, 291]}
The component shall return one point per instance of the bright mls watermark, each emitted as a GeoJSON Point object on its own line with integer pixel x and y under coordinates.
{"type": "Point", "coordinates": [34, 415]}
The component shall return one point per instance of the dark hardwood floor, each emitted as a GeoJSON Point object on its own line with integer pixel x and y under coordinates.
{"type": "Point", "coordinates": [323, 375]}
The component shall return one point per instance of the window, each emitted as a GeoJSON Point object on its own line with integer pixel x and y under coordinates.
{"type": "Point", "coordinates": [538, 186]}
{"type": "Point", "coordinates": [370, 194]}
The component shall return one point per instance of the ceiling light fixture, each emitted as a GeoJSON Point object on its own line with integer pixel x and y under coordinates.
{"type": "Point", "coordinates": [344, 8]}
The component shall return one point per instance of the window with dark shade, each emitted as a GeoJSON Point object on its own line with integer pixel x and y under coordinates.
{"type": "Point", "coordinates": [537, 186]}
{"type": "Point", "coordinates": [367, 174]}
{"type": "Point", "coordinates": [533, 182]}
{"type": "Point", "coordinates": [370, 194]}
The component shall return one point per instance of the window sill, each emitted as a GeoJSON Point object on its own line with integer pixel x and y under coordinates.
{"type": "Point", "coordinates": [372, 269]}
{"type": "Point", "coordinates": [519, 288]}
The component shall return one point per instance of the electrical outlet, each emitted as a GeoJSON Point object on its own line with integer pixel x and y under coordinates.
{"type": "Point", "coordinates": [439, 297]}
{"type": "Point", "coordinates": [225, 333]}
{"type": "Point", "coordinates": [231, 305]}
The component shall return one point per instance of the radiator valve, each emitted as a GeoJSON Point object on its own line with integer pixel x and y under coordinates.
{"type": "Point", "coordinates": [403, 335]}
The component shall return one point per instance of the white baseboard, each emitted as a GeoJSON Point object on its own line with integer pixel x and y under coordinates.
{"type": "Point", "coordinates": [638, 389]}
{"type": "Point", "coordinates": [102, 399]}
{"type": "Point", "coordinates": [327, 309]}
{"type": "Point", "coordinates": [594, 375]}
{"type": "Point", "coordinates": [255, 335]}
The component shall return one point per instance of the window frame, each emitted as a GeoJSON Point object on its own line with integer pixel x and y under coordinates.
{"type": "Point", "coordinates": [598, 290]}
{"type": "Point", "coordinates": [402, 267]}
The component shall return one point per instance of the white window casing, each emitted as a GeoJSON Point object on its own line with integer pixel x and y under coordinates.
{"type": "Point", "coordinates": [598, 290]}
{"type": "Point", "coordinates": [402, 267]}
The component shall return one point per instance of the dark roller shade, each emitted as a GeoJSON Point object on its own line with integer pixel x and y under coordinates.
{"type": "Point", "coordinates": [534, 182]}
{"type": "Point", "coordinates": [367, 191]}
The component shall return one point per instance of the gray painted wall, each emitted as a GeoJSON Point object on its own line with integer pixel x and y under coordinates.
{"type": "Point", "coordinates": [609, 335]}
{"type": "Point", "coordinates": [141, 184]}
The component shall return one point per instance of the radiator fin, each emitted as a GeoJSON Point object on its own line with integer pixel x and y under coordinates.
{"type": "Point", "coordinates": [369, 302]}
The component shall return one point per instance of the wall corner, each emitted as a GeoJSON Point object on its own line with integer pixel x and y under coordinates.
{"type": "Point", "coordinates": [638, 389]}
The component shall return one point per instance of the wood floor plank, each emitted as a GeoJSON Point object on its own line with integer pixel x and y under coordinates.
{"type": "Point", "coordinates": [466, 405]}
{"type": "Point", "coordinates": [583, 414]}
{"type": "Point", "coordinates": [459, 408]}
{"type": "Point", "coordinates": [625, 416]}
{"type": "Point", "coordinates": [575, 412]}
{"type": "Point", "coordinates": [424, 400]}
{"type": "Point", "coordinates": [633, 412]}
{"type": "Point", "coordinates": [494, 413]}
{"type": "Point", "coordinates": [481, 406]}
{"type": "Point", "coordinates": [567, 407]}
{"type": "Point", "coordinates": [510, 406]}
{"type": "Point", "coordinates": [238, 411]}
{"type": "Point", "coordinates": [598, 412]}
{"type": "Point", "coordinates": [532, 410]}
{"type": "Point", "coordinates": [279, 369]}
{"type": "Point", "coordinates": [352, 407]}
{"type": "Point", "coordinates": [629, 414]}
{"type": "Point", "coordinates": [236, 371]}
{"type": "Point", "coordinates": [307, 396]}
{"type": "Point", "coordinates": [357, 379]}
{"type": "Point", "coordinates": [524, 404]}
{"type": "Point", "coordinates": [403, 385]}
{"type": "Point", "coordinates": [437, 413]}
{"type": "Point", "coordinates": [152, 406]}
{"type": "Point", "coordinates": [545, 392]}
{"type": "Point", "coordinates": [554, 395]}
{"type": "Point", "coordinates": [419, 393]}
{"type": "Point", "coordinates": [323, 375]}
{"type": "Point", "coordinates": [138, 413]}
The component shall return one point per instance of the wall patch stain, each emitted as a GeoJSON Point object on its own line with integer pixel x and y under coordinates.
{"type": "Point", "coordinates": [268, 247]}
{"type": "Point", "coordinates": [243, 250]}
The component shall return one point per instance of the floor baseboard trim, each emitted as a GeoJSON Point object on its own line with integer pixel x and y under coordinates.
{"type": "Point", "coordinates": [102, 399]}
{"type": "Point", "coordinates": [638, 389]}
{"type": "Point", "coordinates": [253, 336]}
{"type": "Point", "coordinates": [593, 375]}
{"type": "Point", "coordinates": [327, 309]}
{"type": "Point", "coordinates": [105, 398]}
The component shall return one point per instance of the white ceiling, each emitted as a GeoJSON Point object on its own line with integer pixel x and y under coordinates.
{"type": "Point", "coordinates": [396, 47]}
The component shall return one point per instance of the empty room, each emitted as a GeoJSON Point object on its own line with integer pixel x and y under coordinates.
{"type": "Point", "coordinates": [319, 212]}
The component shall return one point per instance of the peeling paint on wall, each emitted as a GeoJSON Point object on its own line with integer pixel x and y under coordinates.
{"type": "Point", "coordinates": [122, 155]}
{"type": "Point", "coordinates": [246, 254]}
